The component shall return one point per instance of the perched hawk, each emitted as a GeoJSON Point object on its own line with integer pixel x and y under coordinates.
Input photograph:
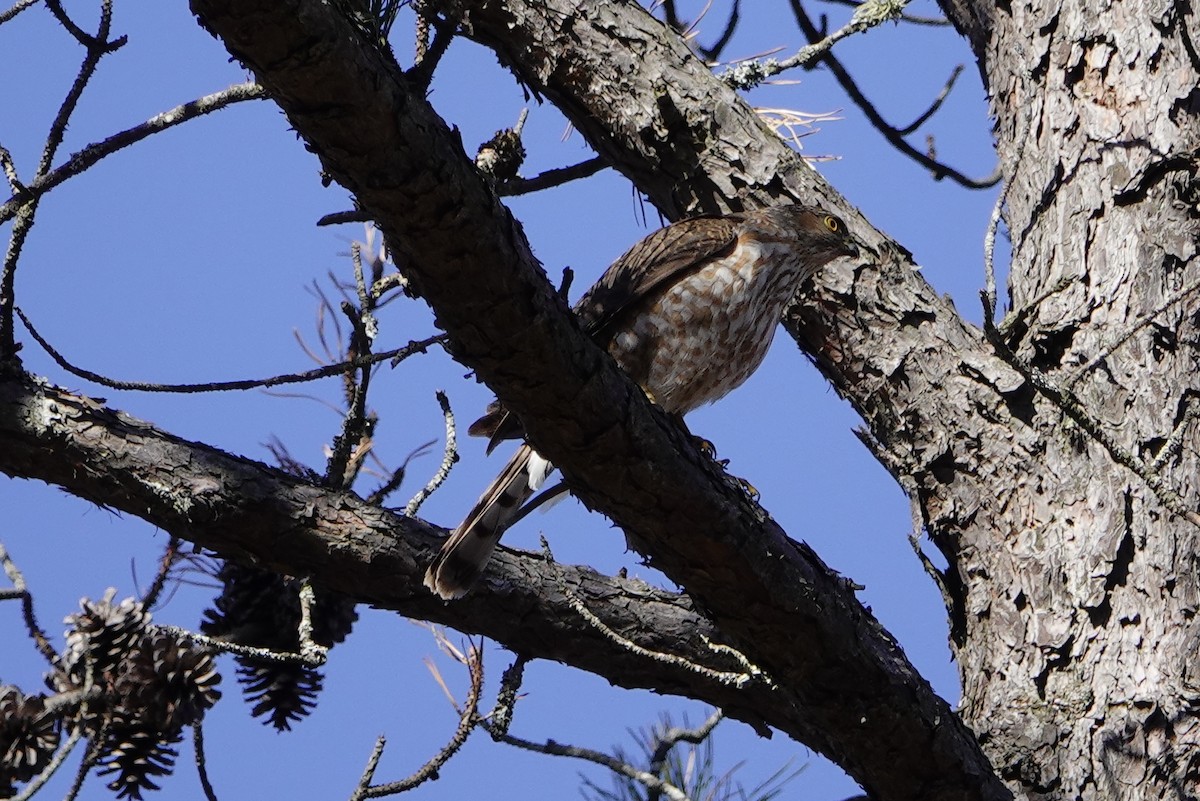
{"type": "Point", "coordinates": [689, 313]}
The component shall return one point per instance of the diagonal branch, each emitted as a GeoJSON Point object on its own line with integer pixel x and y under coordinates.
{"type": "Point", "coordinates": [89, 156]}
{"type": "Point", "coordinates": [867, 15]}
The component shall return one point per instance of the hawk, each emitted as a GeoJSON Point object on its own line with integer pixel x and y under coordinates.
{"type": "Point", "coordinates": [688, 313]}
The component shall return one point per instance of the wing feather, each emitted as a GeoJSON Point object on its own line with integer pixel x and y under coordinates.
{"type": "Point", "coordinates": [646, 267]}
{"type": "Point", "coordinates": [650, 264]}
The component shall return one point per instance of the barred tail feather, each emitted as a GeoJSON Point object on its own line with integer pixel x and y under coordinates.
{"type": "Point", "coordinates": [465, 554]}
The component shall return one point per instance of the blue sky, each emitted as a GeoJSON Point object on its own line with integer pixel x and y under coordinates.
{"type": "Point", "coordinates": [187, 258]}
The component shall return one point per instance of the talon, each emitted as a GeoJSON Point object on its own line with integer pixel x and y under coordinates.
{"type": "Point", "coordinates": [749, 488]}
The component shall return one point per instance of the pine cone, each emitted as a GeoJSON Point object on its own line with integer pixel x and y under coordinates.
{"type": "Point", "coordinates": [262, 609]}
{"type": "Point", "coordinates": [28, 737]}
{"type": "Point", "coordinates": [161, 687]}
{"type": "Point", "coordinates": [151, 684]}
{"type": "Point", "coordinates": [137, 754]}
{"type": "Point", "coordinates": [284, 693]}
{"type": "Point", "coordinates": [101, 633]}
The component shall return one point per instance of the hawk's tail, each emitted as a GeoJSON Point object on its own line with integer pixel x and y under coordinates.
{"type": "Point", "coordinates": [465, 554]}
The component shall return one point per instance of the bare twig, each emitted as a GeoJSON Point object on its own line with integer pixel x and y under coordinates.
{"type": "Point", "coordinates": [646, 779]}
{"type": "Point", "coordinates": [713, 52]}
{"type": "Point", "coordinates": [23, 204]}
{"type": "Point", "coordinates": [449, 458]}
{"type": "Point", "coordinates": [421, 34]}
{"type": "Point", "coordinates": [935, 105]}
{"type": "Point", "coordinates": [201, 760]}
{"type": "Point", "coordinates": [675, 735]}
{"type": "Point", "coordinates": [339, 217]}
{"type": "Point", "coordinates": [724, 677]}
{"type": "Point", "coordinates": [366, 302]}
{"type": "Point", "coordinates": [97, 46]}
{"type": "Point", "coordinates": [938, 22]}
{"type": "Point", "coordinates": [499, 158]}
{"type": "Point", "coordinates": [1175, 441]}
{"type": "Point", "coordinates": [169, 557]}
{"type": "Point", "coordinates": [989, 239]}
{"type": "Point", "coordinates": [21, 590]}
{"type": "Point", "coordinates": [914, 540]}
{"type": "Point", "coordinates": [60, 703]}
{"type": "Point", "coordinates": [16, 9]}
{"type": "Point", "coordinates": [386, 284]}
{"type": "Point", "coordinates": [420, 74]}
{"type": "Point", "coordinates": [313, 660]}
{"type": "Point", "coordinates": [89, 760]}
{"type": "Point", "coordinates": [397, 355]}
{"type": "Point", "coordinates": [327, 316]}
{"type": "Point", "coordinates": [369, 771]}
{"type": "Point", "coordinates": [26, 210]}
{"type": "Point", "coordinates": [341, 470]}
{"type": "Point", "coordinates": [98, 42]}
{"type": "Point", "coordinates": [397, 477]}
{"type": "Point", "coordinates": [512, 187]}
{"type": "Point", "coordinates": [750, 74]}
{"type": "Point", "coordinates": [506, 699]}
{"type": "Point", "coordinates": [889, 132]}
{"type": "Point", "coordinates": [671, 16]}
{"type": "Point", "coordinates": [312, 652]}
{"type": "Point", "coordinates": [10, 171]}
{"type": "Point", "coordinates": [551, 178]}
{"type": "Point", "coordinates": [467, 721]}
{"type": "Point", "coordinates": [89, 156]}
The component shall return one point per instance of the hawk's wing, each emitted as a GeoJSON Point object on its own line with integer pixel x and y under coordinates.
{"type": "Point", "coordinates": [647, 267]}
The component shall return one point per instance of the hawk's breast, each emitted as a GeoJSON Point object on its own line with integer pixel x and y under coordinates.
{"type": "Point", "coordinates": [704, 334]}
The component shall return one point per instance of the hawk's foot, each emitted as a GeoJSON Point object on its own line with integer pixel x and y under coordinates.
{"type": "Point", "coordinates": [747, 488]}
{"type": "Point", "coordinates": [709, 450]}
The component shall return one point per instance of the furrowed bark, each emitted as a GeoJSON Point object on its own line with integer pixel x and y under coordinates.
{"type": "Point", "coordinates": [1098, 117]}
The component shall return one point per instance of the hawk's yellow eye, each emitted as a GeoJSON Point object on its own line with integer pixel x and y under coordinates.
{"type": "Point", "coordinates": [833, 224]}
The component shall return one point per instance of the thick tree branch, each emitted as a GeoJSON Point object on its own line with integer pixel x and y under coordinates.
{"type": "Point", "coordinates": [242, 509]}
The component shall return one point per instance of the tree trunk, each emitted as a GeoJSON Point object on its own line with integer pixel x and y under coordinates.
{"type": "Point", "coordinates": [1079, 644]}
